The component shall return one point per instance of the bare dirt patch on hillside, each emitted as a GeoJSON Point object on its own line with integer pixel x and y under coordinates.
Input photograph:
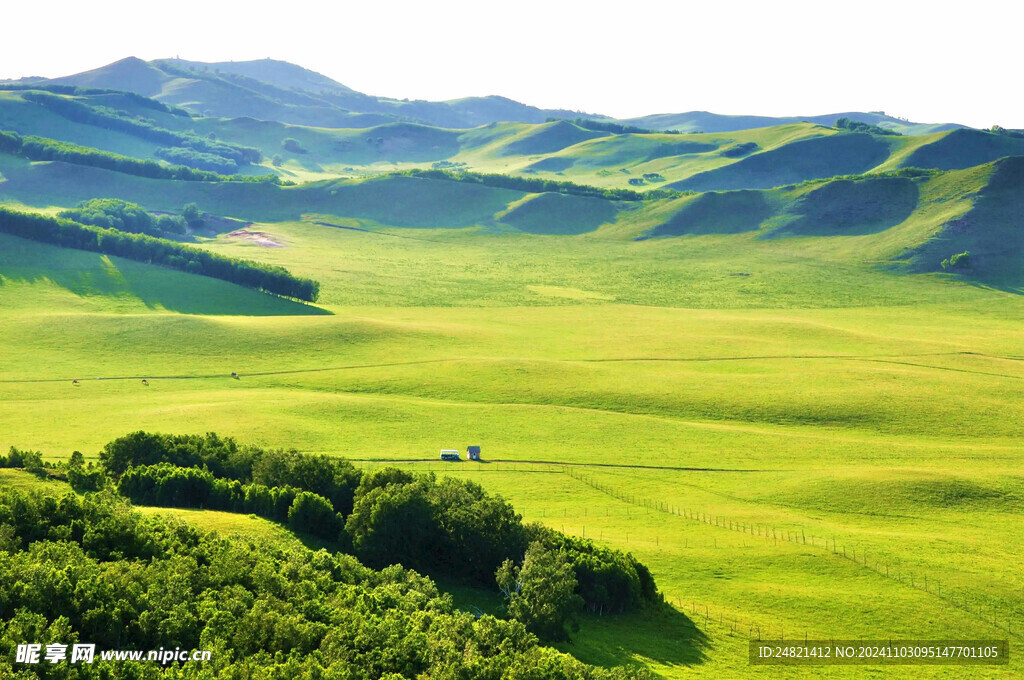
{"type": "Point", "coordinates": [256, 238]}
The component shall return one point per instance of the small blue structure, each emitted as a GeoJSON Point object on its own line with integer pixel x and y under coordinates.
{"type": "Point", "coordinates": [474, 452]}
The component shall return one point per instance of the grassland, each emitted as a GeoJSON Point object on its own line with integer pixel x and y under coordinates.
{"type": "Point", "coordinates": [756, 158]}
{"type": "Point", "coordinates": [874, 410]}
{"type": "Point", "coordinates": [777, 407]}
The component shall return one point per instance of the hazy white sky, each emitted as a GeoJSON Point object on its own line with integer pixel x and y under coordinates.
{"type": "Point", "coordinates": [926, 61]}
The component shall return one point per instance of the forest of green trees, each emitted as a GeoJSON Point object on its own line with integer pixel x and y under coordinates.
{"type": "Point", "coordinates": [384, 517]}
{"type": "Point", "coordinates": [535, 185]}
{"type": "Point", "coordinates": [75, 91]}
{"type": "Point", "coordinates": [109, 119]}
{"type": "Point", "coordinates": [89, 569]}
{"type": "Point", "coordinates": [43, 149]}
{"type": "Point", "coordinates": [113, 213]}
{"type": "Point", "coordinates": [144, 248]}
{"type": "Point", "coordinates": [86, 567]}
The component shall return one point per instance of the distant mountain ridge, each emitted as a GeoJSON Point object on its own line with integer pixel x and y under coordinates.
{"type": "Point", "coordinates": [268, 89]}
{"type": "Point", "coordinates": [705, 121]}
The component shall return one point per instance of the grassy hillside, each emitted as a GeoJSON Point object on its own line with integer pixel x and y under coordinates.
{"type": "Point", "coordinates": [745, 159]}
{"type": "Point", "coordinates": [965, 148]}
{"type": "Point", "coordinates": [992, 232]}
{"type": "Point", "coordinates": [703, 121]}
{"type": "Point", "coordinates": [769, 389]}
{"type": "Point", "coordinates": [35, 276]}
{"type": "Point", "coordinates": [876, 427]}
{"type": "Point", "coordinates": [838, 154]}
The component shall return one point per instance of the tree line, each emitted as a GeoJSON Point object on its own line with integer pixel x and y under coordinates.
{"type": "Point", "coordinates": [113, 213]}
{"type": "Point", "coordinates": [536, 185]}
{"type": "Point", "coordinates": [151, 250]}
{"type": "Point", "coordinates": [31, 461]}
{"type": "Point", "coordinates": [444, 527]}
{"type": "Point", "coordinates": [89, 569]}
{"type": "Point", "coordinates": [858, 126]}
{"type": "Point", "coordinates": [177, 155]}
{"type": "Point", "coordinates": [614, 128]}
{"type": "Point", "coordinates": [77, 91]}
{"type": "Point", "coordinates": [44, 149]}
{"type": "Point", "coordinates": [109, 119]}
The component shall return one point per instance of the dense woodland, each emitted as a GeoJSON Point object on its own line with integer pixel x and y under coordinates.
{"type": "Point", "coordinates": [74, 91]}
{"type": "Point", "coordinates": [86, 567]}
{"type": "Point", "coordinates": [614, 128]}
{"type": "Point", "coordinates": [43, 149]}
{"type": "Point", "coordinates": [144, 248]}
{"type": "Point", "coordinates": [89, 569]}
{"type": "Point", "coordinates": [110, 119]}
{"type": "Point", "coordinates": [387, 516]}
{"type": "Point", "coordinates": [534, 185]}
{"type": "Point", "coordinates": [113, 213]}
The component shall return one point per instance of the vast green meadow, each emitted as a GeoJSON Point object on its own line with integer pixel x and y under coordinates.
{"type": "Point", "coordinates": [818, 448]}
{"type": "Point", "coordinates": [773, 384]}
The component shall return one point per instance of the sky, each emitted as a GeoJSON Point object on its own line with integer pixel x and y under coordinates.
{"type": "Point", "coordinates": [930, 62]}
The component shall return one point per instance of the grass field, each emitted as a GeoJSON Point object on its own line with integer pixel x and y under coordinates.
{"type": "Point", "coordinates": [795, 432]}
{"type": "Point", "coordinates": [891, 429]}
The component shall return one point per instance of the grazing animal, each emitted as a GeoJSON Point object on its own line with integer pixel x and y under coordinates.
{"type": "Point", "coordinates": [234, 375]}
{"type": "Point", "coordinates": [145, 382]}
{"type": "Point", "coordinates": [74, 382]}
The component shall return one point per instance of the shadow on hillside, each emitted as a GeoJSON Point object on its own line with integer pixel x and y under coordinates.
{"type": "Point", "coordinates": [813, 158]}
{"type": "Point", "coordinates": [660, 634]}
{"type": "Point", "coordinates": [95, 275]}
{"type": "Point", "coordinates": [853, 208]}
{"type": "Point", "coordinates": [730, 212]}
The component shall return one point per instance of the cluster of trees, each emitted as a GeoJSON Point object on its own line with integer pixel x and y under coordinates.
{"type": "Point", "coordinates": [169, 486]}
{"type": "Point", "coordinates": [179, 155]}
{"type": "Point", "coordinates": [43, 149]}
{"type": "Point", "coordinates": [1000, 130]}
{"type": "Point", "coordinates": [109, 119]}
{"type": "Point", "coordinates": [909, 172]}
{"type": "Point", "coordinates": [83, 478]}
{"type": "Point", "coordinates": [143, 248]}
{"type": "Point", "coordinates": [332, 478]}
{"type": "Point", "coordinates": [614, 128]}
{"type": "Point", "coordinates": [442, 527]}
{"type": "Point", "coordinates": [609, 581]}
{"type": "Point", "coordinates": [89, 569]}
{"type": "Point", "coordinates": [958, 261]}
{"type": "Point", "coordinates": [75, 91]}
{"type": "Point", "coordinates": [27, 460]}
{"type": "Point", "coordinates": [740, 150]}
{"type": "Point", "coordinates": [113, 213]}
{"type": "Point", "coordinates": [857, 126]}
{"type": "Point", "coordinates": [534, 185]}
{"type": "Point", "coordinates": [388, 516]}
{"type": "Point", "coordinates": [542, 592]}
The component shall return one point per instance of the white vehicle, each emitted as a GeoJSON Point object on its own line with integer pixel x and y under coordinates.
{"type": "Point", "coordinates": [450, 454]}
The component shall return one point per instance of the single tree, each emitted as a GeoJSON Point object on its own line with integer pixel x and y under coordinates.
{"type": "Point", "coordinates": [542, 593]}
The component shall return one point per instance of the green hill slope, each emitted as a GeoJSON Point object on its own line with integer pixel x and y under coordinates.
{"type": "Point", "coordinates": [547, 138]}
{"type": "Point", "coordinates": [849, 207]}
{"type": "Point", "coordinates": [35, 277]}
{"type": "Point", "coordinates": [704, 121]}
{"type": "Point", "coordinates": [992, 232]}
{"type": "Point", "coordinates": [963, 149]}
{"type": "Point", "coordinates": [552, 213]}
{"type": "Point", "coordinates": [397, 201]}
{"type": "Point", "coordinates": [836, 154]}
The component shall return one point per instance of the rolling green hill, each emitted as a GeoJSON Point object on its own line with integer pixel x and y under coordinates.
{"type": "Point", "coordinates": [276, 90]}
{"type": "Point", "coordinates": [747, 159]}
{"type": "Point", "coordinates": [790, 386]}
{"type": "Point", "coordinates": [703, 121]}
